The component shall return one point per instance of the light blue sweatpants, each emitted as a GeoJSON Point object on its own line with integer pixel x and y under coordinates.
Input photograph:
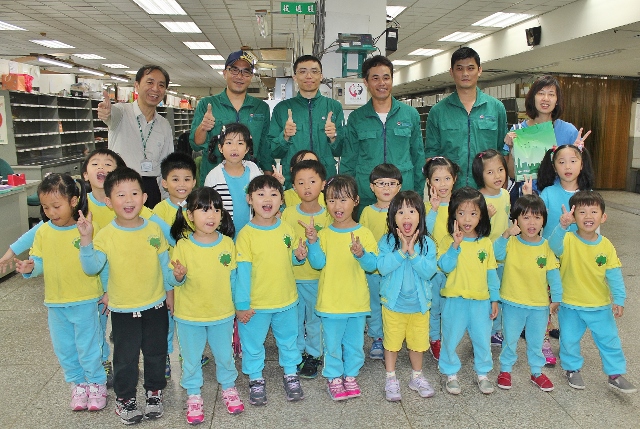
{"type": "Point", "coordinates": [172, 327]}
{"type": "Point", "coordinates": [460, 315]}
{"type": "Point", "coordinates": [534, 322]}
{"type": "Point", "coordinates": [604, 331]}
{"type": "Point", "coordinates": [76, 336]}
{"type": "Point", "coordinates": [192, 340]}
{"type": "Point", "coordinates": [103, 325]}
{"type": "Point", "coordinates": [437, 282]}
{"type": "Point", "coordinates": [343, 346]}
{"type": "Point", "coordinates": [284, 325]}
{"type": "Point", "coordinates": [496, 325]}
{"type": "Point", "coordinates": [374, 320]}
{"type": "Point", "coordinates": [308, 320]}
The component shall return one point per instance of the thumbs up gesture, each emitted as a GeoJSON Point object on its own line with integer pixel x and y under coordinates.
{"type": "Point", "coordinates": [289, 127]}
{"type": "Point", "coordinates": [104, 107]}
{"type": "Point", "coordinates": [208, 121]}
{"type": "Point", "coordinates": [330, 128]}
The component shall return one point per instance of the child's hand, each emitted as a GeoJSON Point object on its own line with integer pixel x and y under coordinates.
{"type": "Point", "coordinates": [512, 230]}
{"type": "Point", "coordinates": [6, 261]}
{"type": "Point", "coordinates": [277, 173]}
{"type": "Point", "coordinates": [24, 267]}
{"type": "Point", "coordinates": [309, 230]}
{"type": "Point", "coordinates": [301, 251]}
{"type": "Point", "coordinates": [105, 300]}
{"type": "Point", "coordinates": [85, 228]}
{"type": "Point", "coordinates": [457, 235]}
{"type": "Point", "coordinates": [404, 243]}
{"type": "Point", "coordinates": [244, 316]}
{"type": "Point", "coordinates": [527, 186]}
{"type": "Point", "coordinates": [494, 310]}
{"type": "Point", "coordinates": [567, 217]}
{"type": "Point", "coordinates": [170, 300]}
{"type": "Point", "coordinates": [434, 199]}
{"type": "Point", "coordinates": [491, 209]}
{"type": "Point", "coordinates": [617, 310]}
{"type": "Point", "coordinates": [356, 247]}
{"type": "Point", "coordinates": [179, 270]}
{"type": "Point", "coordinates": [412, 243]}
{"type": "Point", "coordinates": [330, 128]}
{"type": "Point", "coordinates": [553, 307]}
{"type": "Point", "coordinates": [580, 139]}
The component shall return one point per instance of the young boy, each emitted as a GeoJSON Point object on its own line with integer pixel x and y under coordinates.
{"type": "Point", "coordinates": [591, 274]}
{"type": "Point", "coordinates": [136, 291]}
{"type": "Point", "coordinates": [308, 182]}
{"type": "Point", "coordinates": [385, 182]}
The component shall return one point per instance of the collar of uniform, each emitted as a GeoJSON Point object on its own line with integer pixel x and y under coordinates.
{"type": "Point", "coordinates": [248, 100]}
{"type": "Point", "coordinates": [138, 112]}
{"type": "Point", "coordinates": [314, 98]}
{"type": "Point", "coordinates": [481, 98]}
{"type": "Point", "coordinates": [370, 111]}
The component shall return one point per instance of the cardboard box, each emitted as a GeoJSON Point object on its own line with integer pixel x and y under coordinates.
{"type": "Point", "coordinates": [13, 82]}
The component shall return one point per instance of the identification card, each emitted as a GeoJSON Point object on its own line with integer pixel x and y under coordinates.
{"type": "Point", "coordinates": [146, 166]}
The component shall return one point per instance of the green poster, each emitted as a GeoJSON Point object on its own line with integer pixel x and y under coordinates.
{"type": "Point", "coordinates": [529, 147]}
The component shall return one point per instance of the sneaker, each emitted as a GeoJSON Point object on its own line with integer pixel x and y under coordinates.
{"type": "Point", "coordinates": [79, 397]}
{"type": "Point", "coordinates": [422, 386]}
{"type": "Point", "coordinates": [575, 379]}
{"type": "Point", "coordinates": [309, 367]}
{"type": "Point", "coordinates": [195, 409]}
{"type": "Point", "coordinates": [232, 401]}
{"type": "Point", "coordinates": [292, 388]}
{"type": "Point", "coordinates": [128, 411]}
{"type": "Point", "coordinates": [392, 389]}
{"type": "Point", "coordinates": [548, 354]}
{"type": "Point", "coordinates": [485, 385]}
{"type": "Point", "coordinates": [504, 380]}
{"type": "Point", "coordinates": [167, 368]}
{"type": "Point", "coordinates": [204, 360]}
{"type": "Point", "coordinates": [351, 387]}
{"type": "Point", "coordinates": [257, 392]}
{"type": "Point", "coordinates": [543, 382]}
{"type": "Point", "coordinates": [154, 408]}
{"type": "Point", "coordinates": [435, 349]}
{"type": "Point", "coordinates": [108, 369]}
{"type": "Point", "coordinates": [554, 333]}
{"type": "Point", "coordinates": [496, 339]}
{"type": "Point", "coordinates": [97, 397]}
{"type": "Point", "coordinates": [622, 384]}
{"type": "Point", "coordinates": [452, 385]}
{"type": "Point", "coordinates": [336, 389]}
{"type": "Point", "coordinates": [377, 351]}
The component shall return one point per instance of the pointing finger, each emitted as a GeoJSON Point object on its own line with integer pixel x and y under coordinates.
{"type": "Point", "coordinates": [353, 238]}
{"type": "Point", "coordinates": [311, 223]}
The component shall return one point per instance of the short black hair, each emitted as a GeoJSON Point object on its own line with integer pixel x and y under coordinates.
{"type": "Point", "coordinates": [529, 204]}
{"type": "Point", "coordinates": [340, 186]}
{"type": "Point", "coordinates": [530, 98]}
{"type": "Point", "coordinates": [119, 175]}
{"type": "Point", "coordinates": [177, 161]}
{"type": "Point", "coordinates": [375, 61]}
{"type": "Point", "coordinates": [464, 53]}
{"type": "Point", "coordinates": [547, 174]}
{"type": "Point", "coordinates": [264, 181]}
{"type": "Point", "coordinates": [437, 162]}
{"type": "Point", "coordinates": [145, 70]}
{"type": "Point", "coordinates": [586, 198]}
{"type": "Point", "coordinates": [103, 151]}
{"type": "Point", "coordinates": [309, 164]}
{"type": "Point", "coordinates": [231, 128]}
{"type": "Point", "coordinates": [468, 194]}
{"type": "Point", "coordinates": [304, 58]}
{"type": "Point", "coordinates": [385, 171]}
{"type": "Point", "coordinates": [477, 167]}
{"type": "Point", "coordinates": [299, 156]}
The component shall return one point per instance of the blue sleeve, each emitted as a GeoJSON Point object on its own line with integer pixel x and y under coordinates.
{"type": "Point", "coordinates": [425, 263]}
{"type": "Point", "coordinates": [494, 285]}
{"type": "Point", "coordinates": [556, 240]}
{"type": "Point", "coordinates": [104, 277]}
{"type": "Point", "coordinates": [165, 227]}
{"type": "Point", "coordinates": [388, 259]}
{"type": "Point", "coordinates": [555, 284]}
{"type": "Point", "coordinates": [234, 279]}
{"type": "Point", "coordinates": [449, 260]}
{"type": "Point", "coordinates": [170, 279]}
{"type": "Point", "coordinates": [616, 285]}
{"type": "Point", "coordinates": [37, 268]}
{"type": "Point", "coordinates": [367, 261]}
{"type": "Point", "coordinates": [295, 261]}
{"type": "Point", "coordinates": [431, 220]}
{"type": "Point", "coordinates": [167, 272]}
{"type": "Point", "coordinates": [242, 296]}
{"type": "Point", "coordinates": [92, 260]}
{"type": "Point", "coordinates": [317, 258]}
{"type": "Point", "coordinates": [25, 241]}
{"type": "Point", "coordinates": [500, 248]}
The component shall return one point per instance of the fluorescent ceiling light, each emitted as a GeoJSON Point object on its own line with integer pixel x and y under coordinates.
{"type": "Point", "coordinates": [217, 66]}
{"type": "Point", "coordinates": [54, 62]}
{"type": "Point", "coordinates": [97, 73]}
{"type": "Point", "coordinates": [402, 62]}
{"type": "Point", "coordinates": [7, 26]}
{"type": "Point", "coordinates": [596, 55]}
{"type": "Point", "coordinates": [393, 11]}
{"type": "Point", "coordinates": [172, 92]}
{"type": "Point", "coordinates": [502, 19]}
{"type": "Point", "coordinates": [161, 7]}
{"type": "Point", "coordinates": [116, 66]}
{"type": "Point", "coordinates": [89, 56]}
{"type": "Point", "coordinates": [541, 67]}
{"type": "Point", "coordinates": [461, 36]}
{"type": "Point", "coordinates": [212, 57]}
{"type": "Point", "coordinates": [52, 44]}
{"type": "Point", "coordinates": [181, 27]}
{"type": "Point", "coordinates": [426, 52]}
{"type": "Point", "coordinates": [199, 45]}
{"type": "Point", "coordinates": [131, 71]}
{"type": "Point", "coordinates": [121, 79]}
{"type": "Point", "coordinates": [174, 84]}
{"type": "Point", "coordinates": [220, 72]}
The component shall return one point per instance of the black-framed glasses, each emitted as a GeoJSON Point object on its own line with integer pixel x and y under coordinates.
{"type": "Point", "coordinates": [381, 184]}
{"type": "Point", "coordinates": [303, 72]}
{"type": "Point", "coordinates": [235, 71]}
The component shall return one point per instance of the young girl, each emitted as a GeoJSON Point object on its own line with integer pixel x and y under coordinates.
{"type": "Point", "coordinates": [472, 289]}
{"type": "Point", "coordinates": [407, 260]}
{"type": "Point", "coordinates": [529, 266]}
{"type": "Point", "coordinates": [343, 251]}
{"type": "Point", "coordinates": [291, 198]}
{"type": "Point", "coordinates": [441, 174]}
{"type": "Point", "coordinates": [70, 295]}
{"type": "Point", "coordinates": [203, 310]}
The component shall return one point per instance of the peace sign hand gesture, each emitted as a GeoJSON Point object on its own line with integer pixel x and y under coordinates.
{"type": "Point", "coordinates": [277, 173]}
{"type": "Point", "coordinates": [457, 235]}
{"type": "Point", "coordinates": [434, 199]}
{"type": "Point", "coordinates": [179, 270]}
{"type": "Point", "coordinates": [567, 218]}
{"type": "Point", "coordinates": [527, 186]}
{"type": "Point", "coordinates": [356, 246]}
{"type": "Point", "coordinates": [301, 251]}
{"type": "Point", "coordinates": [309, 230]}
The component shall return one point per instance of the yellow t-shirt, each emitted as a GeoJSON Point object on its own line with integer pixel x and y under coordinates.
{"type": "Point", "coordinates": [440, 228]}
{"type": "Point", "coordinates": [64, 280]}
{"type": "Point", "coordinates": [269, 250]}
{"type": "Point", "coordinates": [291, 199]}
{"type": "Point", "coordinates": [166, 211]}
{"type": "Point", "coordinates": [583, 267]}
{"type": "Point", "coordinates": [135, 274]}
{"type": "Point", "coordinates": [103, 215]}
{"type": "Point", "coordinates": [469, 277]}
{"type": "Point", "coordinates": [205, 295]}
{"type": "Point", "coordinates": [322, 219]}
{"type": "Point", "coordinates": [343, 287]}
{"type": "Point", "coordinates": [524, 280]}
{"type": "Point", "coordinates": [375, 219]}
{"type": "Point", "coordinates": [500, 220]}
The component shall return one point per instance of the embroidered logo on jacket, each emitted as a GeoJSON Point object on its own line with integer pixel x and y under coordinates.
{"type": "Point", "coordinates": [482, 255]}
{"type": "Point", "coordinates": [287, 240]}
{"type": "Point", "coordinates": [541, 261]}
{"type": "Point", "coordinates": [225, 258]}
{"type": "Point", "coordinates": [601, 259]}
{"type": "Point", "coordinates": [154, 240]}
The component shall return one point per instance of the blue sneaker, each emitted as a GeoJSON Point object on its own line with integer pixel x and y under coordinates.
{"type": "Point", "coordinates": [167, 368]}
{"type": "Point", "coordinates": [377, 351]}
{"type": "Point", "coordinates": [496, 339]}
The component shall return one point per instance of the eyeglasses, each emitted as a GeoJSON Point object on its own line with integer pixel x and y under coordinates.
{"type": "Point", "coordinates": [235, 71]}
{"type": "Point", "coordinates": [303, 72]}
{"type": "Point", "coordinates": [386, 184]}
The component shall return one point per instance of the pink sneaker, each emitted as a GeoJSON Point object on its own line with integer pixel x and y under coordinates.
{"type": "Point", "coordinates": [548, 354]}
{"type": "Point", "coordinates": [195, 412]}
{"type": "Point", "coordinates": [97, 397]}
{"type": "Point", "coordinates": [336, 389]}
{"type": "Point", "coordinates": [351, 387]}
{"type": "Point", "coordinates": [232, 401]}
{"type": "Point", "coordinates": [79, 397]}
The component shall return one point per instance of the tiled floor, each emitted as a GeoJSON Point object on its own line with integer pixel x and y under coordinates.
{"type": "Point", "coordinates": [33, 393]}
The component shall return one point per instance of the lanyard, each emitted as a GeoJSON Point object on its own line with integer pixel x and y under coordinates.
{"type": "Point", "coordinates": [145, 140]}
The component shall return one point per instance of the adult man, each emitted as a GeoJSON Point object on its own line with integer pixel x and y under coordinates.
{"type": "Point", "coordinates": [383, 130]}
{"type": "Point", "coordinates": [138, 133]}
{"type": "Point", "coordinates": [466, 122]}
{"type": "Point", "coordinates": [307, 121]}
{"type": "Point", "coordinates": [232, 105]}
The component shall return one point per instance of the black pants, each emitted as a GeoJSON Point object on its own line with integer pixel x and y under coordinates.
{"type": "Point", "coordinates": [152, 190]}
{"type": "Point", "coordinates": [132, 334]}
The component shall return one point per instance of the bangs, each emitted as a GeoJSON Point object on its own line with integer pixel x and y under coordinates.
{"type": "Point", "coordinates": [339, 191]}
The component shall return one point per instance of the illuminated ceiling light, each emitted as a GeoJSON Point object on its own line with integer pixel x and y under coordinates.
{"type": "Point", "coordinates": [52, 44]}
{"type": "Point", "coordinates": [131, 71]}
{"type": "Point", "coordinates": [212, 57]}
{"type": "Point", "coordinates": [461, 36]}
{"type": "Point", "coordinates": [402, 62]}
{"type": "Point", "coordinates": [199, 45]}
{"type": "Point", "coordinates": [54, 62]}
{"type": "Point", "coordinates": [7, 26]}
{"type": "Point", "coordinates": [95, 72]}
{"type": "Point", "coordinates": [502, 19]}
{"type": "Point", "coordinates": [217, 66]}
{"type": "Point", "coordinates": [181, 27]}
{"type": "Point", "coordinates": [121, 79]}
{"type": "Point", "coordinates": [393, 11]}
{"type": "Point", "coordinates": [426, 52]}
{"type": "Point", "coordinates": [596, 55]}
{"type": "Point", "coordinates": [161, 7]}
{"type": "Point", "coordinates": [89, 56]}
{"type": "Point", "coordinates": [116, 66]}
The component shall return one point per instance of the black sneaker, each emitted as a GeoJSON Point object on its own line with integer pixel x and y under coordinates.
{"type": "Point", "coordinates": [154, 408]}
{"type": "Point", "coordinates": [309, 368]}
{"type": "Point", "coordinates": [292, 388]}
{"type": "Point", "coordinates": [257, 392]}
{"type": "Point", "coordinates": [108, 369]}
{"type": "Point", "coordinates": [554, 333]}
{"type": "Point", "coordinates": [128, 411]}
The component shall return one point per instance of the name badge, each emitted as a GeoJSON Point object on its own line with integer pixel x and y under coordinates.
{"type": "Point", "coordinates": [146, 166]}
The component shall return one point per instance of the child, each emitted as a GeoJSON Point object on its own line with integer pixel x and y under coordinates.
{"type": "Point", "coordinates": [343, 251]}
{"type": "Point", "coordinates": [203, 309]}
{"type": "Point", "coordinates": [591, 274]}
{"type": "Point", "coordinates": [136, 297]}
{"type": "Point", "coordinates": [407, 261]}
{"type": "Point", "coordinates": [529, 266]}
{"type": "Point", "coordinates": [441, 175]}
{"type": "Point", "coordinates": [265, 294]}
{"type": "Point", "coordinates": [308, 181]}
{"type": "Point", "coordinates": [291, 198]}
{"type": "Point", "coordinates": [472, 289]}
{"type": "Point", "coordinates": [70, 294]}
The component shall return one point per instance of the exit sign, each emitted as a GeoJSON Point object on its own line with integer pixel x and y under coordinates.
{"type": "Point", "coordinates": [295, 8]}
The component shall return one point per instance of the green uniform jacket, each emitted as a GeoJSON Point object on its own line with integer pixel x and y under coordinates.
{"type": "Point", "coordinates": [254, 113]}
{"type": "Point", "coordinates": [370, 143]}
{"type": "Point", "coordinates": [310, 116]}
{"type": "Point", "coordinates": [459, 136]}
